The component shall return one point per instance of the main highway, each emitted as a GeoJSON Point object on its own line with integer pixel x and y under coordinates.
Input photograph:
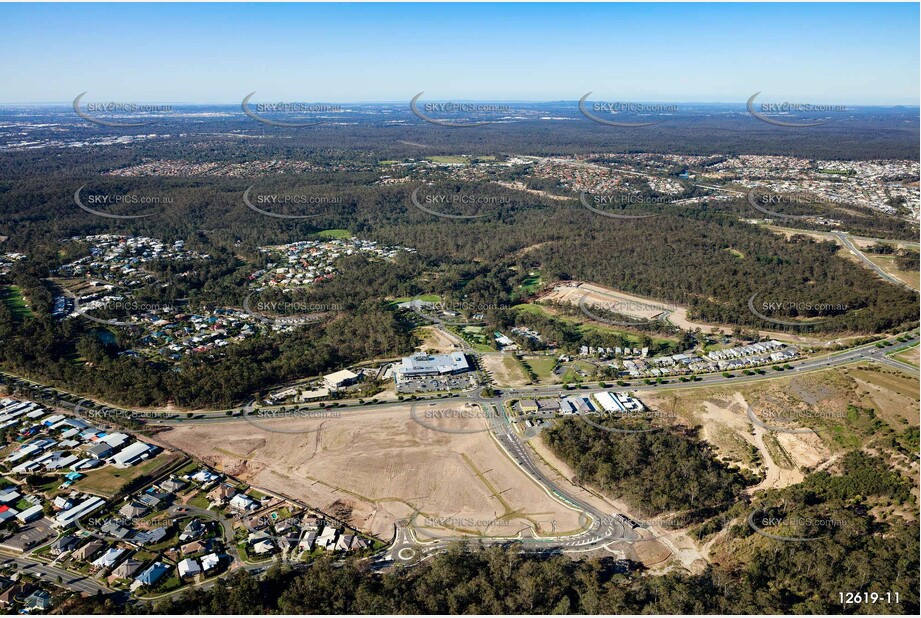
{"type": "Point", "coordinates": [600, 529]}
{"type": "Point", "coordinates": [849, 244]}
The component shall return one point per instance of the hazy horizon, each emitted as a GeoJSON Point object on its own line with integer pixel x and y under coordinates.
{"type": "Point", "coordinates": [838, 53]}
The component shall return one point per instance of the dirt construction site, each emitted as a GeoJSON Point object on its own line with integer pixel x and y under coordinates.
{"type": "Point", "coordinates": [787, 427]}
{"type": "Point", "coordinates": [435, 464]}
{"type": "Point", "coordinates": [596, 296]}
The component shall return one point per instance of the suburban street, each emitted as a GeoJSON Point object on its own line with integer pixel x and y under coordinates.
{"type": "Point", "coordinates": [79, 583]}
{"type": "Point", "coordinates": [600, 529]}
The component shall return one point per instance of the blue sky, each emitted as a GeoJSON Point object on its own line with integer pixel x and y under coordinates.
{"type": "Point", "coordinates": [822, 53]}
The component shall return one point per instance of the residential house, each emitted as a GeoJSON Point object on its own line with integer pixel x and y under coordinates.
{"type": "Point", "coordinates": [63, 544]}
{"type": "Point", "coordinates": [243, 503]}
{"type": "Point", "coordinates": [210, 562]}
{"type": "Point", "coordinates": [109, 558]}
{"type": "Point", "coordinates": [189, 568]}
{"type": "Point", "coordinates": [151, 575]}
{"type": "Point", "coordinates": [192, 530]}
{"type": "Point", "coordinates": [39, 600]}
{"type": "Point", "coordinates": [127, 568]}
{"type": "Point", "coordinates": [222, 493]}
{"type": "Point", "coordinates": [133, 510]}
{"type": "Point", "coordinates": [85, 552]}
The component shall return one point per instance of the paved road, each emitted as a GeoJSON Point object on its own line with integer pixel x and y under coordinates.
{"type": "Point", "coordinates": [882, 273]}
{"type": "Point", "coordinates": [868, 352]}
{"type": "Point", "coordinates": [80, 583]}
{"type": "Point", "coordinates": [598, 528]}
{"type": "Point", "coordinates": [601, 529]}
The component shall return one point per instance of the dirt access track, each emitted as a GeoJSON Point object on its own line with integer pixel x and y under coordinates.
{"type": "Point", "coordinates": [645, 308]}
{"type": "Point", "coordinates": [382, 465]}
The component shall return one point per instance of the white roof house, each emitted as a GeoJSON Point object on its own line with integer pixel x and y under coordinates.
{"type": "Point", "coordinates": [189, 568]}
{"type": "Point", "coordinates": [242, 502]}
{"type": "Point", "coordinates": [108, 559]}
{"type": "Point", "coordinates": [339, 379]}
{"type": "Point", "coordinates": [65, 518]}
{"type": "Point", "coordinates": [132, 454]}
{"type": "Point", "coordinates": [31, 513]}
{"type": "Point", "coordinates": [209, 562]}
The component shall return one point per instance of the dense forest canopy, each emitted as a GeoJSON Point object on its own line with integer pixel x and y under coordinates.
{"type": "Point", "coordinates": [751, 573]}
{"type": "Point", "coordinates": [481, 261]}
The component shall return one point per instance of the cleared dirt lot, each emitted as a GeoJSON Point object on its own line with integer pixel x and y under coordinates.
{"type": "Point", "coordinates": [505, 370]}
{"type": "Point", "coordinates": [612, 300]}
{"type": "Point", "coordinates": [887, 263]}
{"type": "Point", "coordinates": [436, 340]}
{"type": "Point", "coordinates": [646, 308]}
{"type": "Point", "coordinates": [383, 466]}
{"type": "Point", "coordinates": [893, 394]}
{"type": "Point", "coordinates": [823, 401]}
{"type": "Point", "coordinates": [909, 356]}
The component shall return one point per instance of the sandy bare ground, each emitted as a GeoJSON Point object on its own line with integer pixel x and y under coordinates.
{"type": "Point", "coordinates": [382, 466]}
{"type": "Point", "coordinates": [612, 300]}
{"type": "Point", "coordinates": [894, 395]}
{"type": "Point", "coordinates": [733, 415]}
{"type": "Point", "coordinates": [723, 416]}
{"type": "Point", "coordinates": [520, 187]}
{"type": "Point", "coordinates": [436, 340]}
{"type": "Point", "coordinates": [887, 263]}
{"type": "Point", "coordinates": [911, 355]}
{"type": "Point", "coordinates": [504, 369]}
{"type": "Point", "coordinates": [641, 307]}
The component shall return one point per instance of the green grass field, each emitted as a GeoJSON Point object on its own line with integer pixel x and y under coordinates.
{"type": "Point", "coordinates": [473, 335]}
{"type": "Point", "coordinates": [200, 500]}
{"type": "Point", "coordinates": [11, 296]}
{"type": "Point", "coordinates": [107, 481]}
{"type": "Point", "coordinates": [542, 366]}
{"type": "Point", "coordinates": [586, 327]}
{"type": "Point", "coordinates": [531, 284]}
{"type": "Point", "coordinates": [449, 159]}
{"type": "Point", "coordinates": [908, 355]}
{"type": "Point", "coordinates": [530, 308]}
{"type": "Point", "coordinates": [335, 234]}
{"type": "Point", "coordinates": [428, 298]}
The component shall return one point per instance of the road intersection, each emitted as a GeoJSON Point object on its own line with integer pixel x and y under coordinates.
{"type": "Point", "coordinates": [600, 529]}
